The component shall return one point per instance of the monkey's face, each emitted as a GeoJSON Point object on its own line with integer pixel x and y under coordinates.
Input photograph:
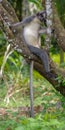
{"type": "Point", "coordinates": [42, 16]}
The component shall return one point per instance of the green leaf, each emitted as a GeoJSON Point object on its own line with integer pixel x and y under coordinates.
{"type": "Point", "coordinates": [19, 128]}
{"type": "Point", "coordinates": [54, 122]}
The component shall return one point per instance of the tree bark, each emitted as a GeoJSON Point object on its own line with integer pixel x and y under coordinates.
{"type": "Point", "coordinates": [49, 23]}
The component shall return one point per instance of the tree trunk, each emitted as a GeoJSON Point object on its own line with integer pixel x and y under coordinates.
{"type": "Point", "coordinates": [49, 23]}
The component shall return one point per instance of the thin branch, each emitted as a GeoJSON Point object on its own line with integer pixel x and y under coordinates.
{"type": "Point", "coordinates": [6, 55]}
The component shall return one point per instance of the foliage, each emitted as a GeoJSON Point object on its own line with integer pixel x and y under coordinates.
{"type": "Point", "coordinates": [37, 3]}
{"type": "Point", "coordinates": [50, 118]}
{"type": "Point", "coordinates": [38, 123]}
{"type": "Point", "coordinates": [16, 75]}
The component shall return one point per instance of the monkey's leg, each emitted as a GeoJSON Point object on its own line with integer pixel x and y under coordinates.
{"type": "Point", "coordinates": [31, 89]}
{"type": "Point", "coordinates": [42, 54]}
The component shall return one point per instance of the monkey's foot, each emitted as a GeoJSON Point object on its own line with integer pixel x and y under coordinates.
{"type": "Point", "coordinates": [51, 75]}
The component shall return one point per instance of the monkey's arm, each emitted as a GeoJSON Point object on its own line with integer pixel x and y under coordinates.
{"type": "Point", "coordinates": [42, 31]}
{"type": "Point", "coordinates": [41, 15]}
{"type": "Point", "coordinates": [24, 22]}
